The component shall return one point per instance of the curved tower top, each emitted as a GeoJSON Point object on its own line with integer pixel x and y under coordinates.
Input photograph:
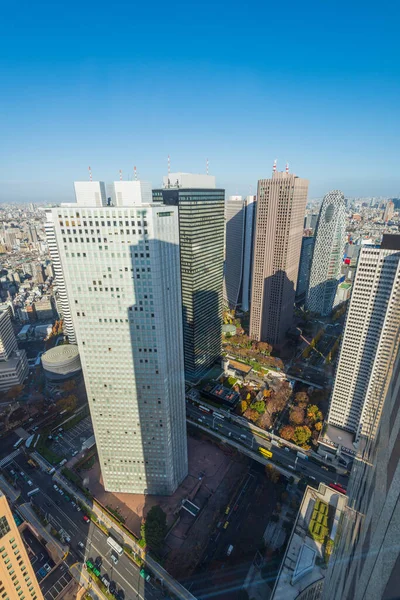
{"type": "Point", "coordinates": [330, 239]}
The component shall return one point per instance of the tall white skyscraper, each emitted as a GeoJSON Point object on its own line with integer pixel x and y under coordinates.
{"type": "Point", "coordinates": [122, 273]}
{"type": "Point", "coordinates": [62, 296]}
{"type": "Point", "coordinates": [370, 340]}
{"type": "Point", "coordinates": [330, 239]}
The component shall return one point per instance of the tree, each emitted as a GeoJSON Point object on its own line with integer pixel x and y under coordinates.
{"type": "Point", "coordinates": [243, 406]}
{"type": "Point", "coordinates": [251, 415]}
{"type": "Point", "coordinates": [15, 391]}
{"type": "Point", "coordinates": [314, 413]}
{"type": "Point", "coordinates": [272, 473]}
{"type": "Point", "coordinates": [153, 530]}
{"type": "Point", "coordinates": [267, 393]}
{"type": "Point", "coordinates": [259, 406]}
{"type": "Point", "coordinates": [302, 435]}
{"type": "Point", "coordinates": [296, 416]}
{"type": "Point", "coordinates": [69, 403]}
{"type": "Point", "coordinates": [70, 385]}
{"type": "Point", "coordinates": [301, 397]}
{"type": "Point", "coordinates": [287, 432]}
{"type": "Point", "coordinates": [264, 421]}
{"type": "Point", "coordinates": [318, 426]}
{"type": "Point", "coordinates": [264, 348]}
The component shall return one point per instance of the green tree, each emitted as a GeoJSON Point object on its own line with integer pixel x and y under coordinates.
{"type": "Point", "coordinates": [153, 530]}
{"type": "Point", "coordinates": [302, 435]}
{"type": "Point", "coordinates": [259, 406]}
{"type": "Point", "coordinates": [314, 413]}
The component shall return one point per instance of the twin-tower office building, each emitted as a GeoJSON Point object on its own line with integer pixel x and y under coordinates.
{"type": "Point", "coordinates": [138, 276]}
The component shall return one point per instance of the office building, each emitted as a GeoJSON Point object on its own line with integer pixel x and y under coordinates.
{"type": "Point", "coordinates": [127, 193]}
{"type": "Point", "coordinates": [369, 343]}
{"type": "Point", "coordinates": [234, 242]}
{"type": "Point", "coordinates": [307, 247]}
{"type": "Point", "coordinates": [62, 299]}
{"type": "Point", "coordinates": [201, 232]}
{"type": "Point", "coordinates": [90, 193]}
{"type": "Point", "coordinates": [281, 203]}
{"type": "Point", "coordinates": [13, 362]}
{"type": "Point", "coordinates": [17, 577]}
{"type": "Point", "coordinates": [330, 240]}
{"type": "Point", "coordinates": [365, 564]}
{"type": "Point", "coordinates": [249, 223]}
{"type": "Point", "coordinates": [122, 275]}
{"type": "Point", "coordinates": [389, 211]}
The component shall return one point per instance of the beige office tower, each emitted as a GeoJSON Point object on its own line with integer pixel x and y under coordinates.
{"type": "Point", "coordinates": [17, 577]}
{"type": "Point", "coordinates": [281, 204]}
{"type": "Point", "coordinates": [365, 564]}
{"type": "Point", "coordinates": [369, 344]}
{"type": "Point", "coordinates": [389, 211]}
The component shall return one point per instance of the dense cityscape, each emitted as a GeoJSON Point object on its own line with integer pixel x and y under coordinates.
{"type": "Point", "coordinates": [195, 389]}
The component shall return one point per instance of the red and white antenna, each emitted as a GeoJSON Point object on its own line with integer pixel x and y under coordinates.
{"type": "Point", "coordinates": [135, 173]}
{"type": "Point", "coordinates": [169, 165]}
{"type": "Point", "coordinates": [90, 174]}
{"type": "Point", "coordinates": [287, 167]}
{"type": "Point", "coordinates": [120, 174]}
{"type": "Point", "coordinates": [207, 166]}
{"type": "Point", "coordinates": [274, 167]}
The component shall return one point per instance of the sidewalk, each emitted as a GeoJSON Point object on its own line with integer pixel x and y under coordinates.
{"type": "Point", "coordinates": [11, 493]}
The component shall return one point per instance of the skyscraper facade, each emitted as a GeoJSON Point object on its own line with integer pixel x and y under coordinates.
{"type": "Point", "coordinates": [307, 247]}
{"type": "Point", "coordinates": [122, 273]}
{"type": "Point", "coordinates": [365, 564]}
{"type": "Point", "coordinates": [234, 242]}
{"type": "Point", "coordinates": [201, 208]}
{"type": "Point", "coordinates": [61, 291]}
{"type": "Point", "coordinates": [17, 577]}
{"type": "Point", "coordinates": [369, 343]}
{"type": "Point", "coordinates": [249, 223]}
{"type": "Point", "coordinates": [389, 211]}
{"type": "Point", "coordinates": [330, 239]}
{"type": "Point", "coordinates": [281, 202]}
{"type": "Point", "coordinates": [14, 366]}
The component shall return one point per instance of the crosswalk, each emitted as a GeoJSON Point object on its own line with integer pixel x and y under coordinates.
{"type": "Point", "coordinates": [9, 458]}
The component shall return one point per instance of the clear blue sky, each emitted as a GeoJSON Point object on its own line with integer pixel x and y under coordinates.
{"type": "Point", "coordinates": [112, 85]}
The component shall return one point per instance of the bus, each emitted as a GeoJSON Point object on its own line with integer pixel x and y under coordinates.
{"type": "Point", "coordinates": [337, 487]}
{"type": "Point", "coordinates": [91, 567]}
{"type": "Point", "coordinates": [204, 409]}
{"type": "Point", "coordinates": [115, 546]}
{"type": "Point", "coordinates": [217, 415]}
{"type": "Point", "coordinates": [18, 443]}
{"type": "Point", "coordinates": [265, 452]}
{"type": "Point", "coordinates": [32, 492]}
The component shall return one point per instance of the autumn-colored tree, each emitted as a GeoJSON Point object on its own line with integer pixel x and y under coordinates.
{"type": "Point", "coordinates": [314, 413]}
{"type": "Point", "coordinates": [287, 432]}
{"type": "Point", "coordinates": [14, 392]}
{"type": "Point", "coordinates": [251, 415]}
{"type": "Point", "coordinates": [267, 393]}
{"type": "Point", "coordinates": [296, 416]}
{"type": "Point", "coordinates": [70, 385]}
{"type": "Point", "coordinates": [69, 403]}
{"type": "Point", "coordinates": [318, 426]}
{"type": "Point", "coordinates": [272, 473]}
{"type": "Point", "coordinates": [243, 406]}
{"type": "Point", "coordinates": [302, 435]}
{"type": "Point", "coordinates": [248, 397]}
{"type": "Point", "coordinates": [264, 421]}
{"type": "Point", "coordinates": [264, 348]}
{"type": "Point", "coordinates": [301, 397]}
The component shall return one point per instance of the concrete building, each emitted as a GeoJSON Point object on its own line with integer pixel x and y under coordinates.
{"type": "Point", "coordinates": [128, 193]}
{"type": "Point", "coordinates": [304, 565]}
{"type": "Point", "coordinates": [369, 344]}
{"type": "Point", "coordinates": [307, 247]}
{"type": "Point", "coordinates": [389, 211]}
{"type": "Point", "coordinates": [365, 564]}
{"type": "Point", "coordinates": [201, 232]}
{"type": "Point", "coordinates": [330, 240]}
{"type": "Point", "coordinates": [234, 242]}
{"type": "Point", "coordinates": [90, 193]}
{"type": "Point", "coordinates": [281, 203]}
{"type": "Point", "coordinates": [44, 309]}
{"type": "Point", "coordinates": [62, 299]}
{"type": "Point", "coordinates": [17, 577]}
{"type": "Point", "coordinates": [122, 276]}
{"type": "Point", "coordinates": [13, 362]}
{"type": "Point", "coordinates": [249, 225]}
{"type": "Point", "coordinates": [61, 364]}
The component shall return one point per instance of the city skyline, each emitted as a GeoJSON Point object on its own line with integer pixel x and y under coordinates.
{"type": "Point", "coordinates": [331, 111]}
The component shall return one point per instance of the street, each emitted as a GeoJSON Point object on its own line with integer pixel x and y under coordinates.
{"type": "Point", "coordinates": [288, 458]}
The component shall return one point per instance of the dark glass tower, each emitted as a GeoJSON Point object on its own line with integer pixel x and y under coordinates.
{"type": "Point", "coordinates": [201, 236]}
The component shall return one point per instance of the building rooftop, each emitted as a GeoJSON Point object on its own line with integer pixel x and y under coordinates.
{"type": "Point", "coordinates": [305, 560]}
{"type": "Point", "coordinates": [60, 353]}
{"type": "Point", "coordinates": [335, 437]}
{"type": "Point", "coordinates": [390, 241]}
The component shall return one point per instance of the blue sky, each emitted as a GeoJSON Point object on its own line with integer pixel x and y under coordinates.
{"type": "Point", "coordinates": [116, 85]}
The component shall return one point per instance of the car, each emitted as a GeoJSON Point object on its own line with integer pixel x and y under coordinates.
{"type": "Point", "coordinates": [29, 482]}
{"type": "Point", "coordinates": [324, 468]}
{"type": "Point", "coordinates": [112, 586]}
{"type": "Point", "coordinates": [78, 508]}
{"type": "Point", "coordinates": [286, 449]}
{"type": "Point", "coordinates": [105, 581]}
{"type": "Point", "coordinates": [114, 558]}
{"type": "Point", "coordinates": [35, 428]}
{"type": "Point", "coordinates": [81, 545]}
{"type": "Point", "coordinates": [60, 491]}
{"type": "Point", "coordinates": [75, 452]}
{"type": "Point", "coordinates": [67, 539]}
{"type": "Point", "coordinates": [86, 519]}
{"type": "Point", "coordinates": [47, 568]}
{"type": "Point", "coordinates": [73, 503]}
{"type": "Point", "coordinates": [67, 498]}
{"type": "Point", "coordinates": [292, 467]}
{"type": "Point", "coordinates": [98, 562]}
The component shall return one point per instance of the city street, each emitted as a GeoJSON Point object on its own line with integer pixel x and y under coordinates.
{"type": "Point", "coordinates": [245, 436]}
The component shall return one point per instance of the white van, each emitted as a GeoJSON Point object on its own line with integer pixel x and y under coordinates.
{"type": "Point", "coordinates": [229, 551]}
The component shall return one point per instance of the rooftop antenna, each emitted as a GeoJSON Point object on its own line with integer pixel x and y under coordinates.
{"type": "Point", "coordinates": [169, 165]}
{"type": "Point", "coordinates": [120, 174]}
{"type": "Point", "coordinates": [90, 174]}
{"type": "Point", "coordinates": [287, 167]}
{"type": "Point", "coordinates": [207, 166]}
{"type": "Point", "coordinates": [274, 167]}
{"type": "Point", "coordinates": [135, 173]}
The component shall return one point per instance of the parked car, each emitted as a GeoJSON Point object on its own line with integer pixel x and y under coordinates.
{"type": "Point", "coordinates": [81, 545]}
{"type": "Point", "coordinates": [114, 558]}
{"type": "Point", "coordinates": [47, 567]}
{"type": "Point", "coordinates": [86, 519]}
